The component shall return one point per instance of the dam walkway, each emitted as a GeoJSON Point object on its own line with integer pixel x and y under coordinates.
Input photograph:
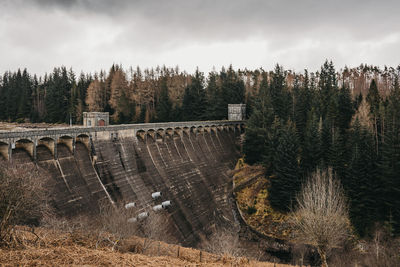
{"type": "Point", "coordinates": [30, 139]}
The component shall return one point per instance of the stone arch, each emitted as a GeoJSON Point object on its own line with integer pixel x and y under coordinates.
{"type": "Point", "coordinates": [141, 135]}
{"type": "Point", "coordinates": [213, 129]}
{"type": "Point", "coordinates": [47, 142]}
{"type": "Point", "coordinates": [4, 151]}
{"type": "Point", "coordinates": [200, 129]}
{"type": "Point", "coordinates": [151, 133]}
{"type": "Point", "coordinates": [178, 132]}
{"type": "Point", "coordinates": [186, 131]}
{"type": "Point", "coordinates": [193, 129]}
{"type": "Point", "coordinates": [27, 145]}
{"type": "Point", "coordinates": [159, 135]}
{"type": "Point", "coordinates": [169, 131]}
{"type": "Point", "coordinates": [68, 141]}
{"type": "Point", "coordinates": [220, 128]}
{"type": "Point", "coordinates": [84, 139]}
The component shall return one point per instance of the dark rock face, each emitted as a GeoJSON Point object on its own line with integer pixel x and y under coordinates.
{"type": "Point", "coordinates": [190, 171]}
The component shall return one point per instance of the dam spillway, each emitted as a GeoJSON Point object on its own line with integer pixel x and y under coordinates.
{"type": "Point", "coordinates": [187, 162]}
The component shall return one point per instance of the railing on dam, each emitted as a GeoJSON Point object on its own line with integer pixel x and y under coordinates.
{"type": "Point", "coordinates": [29, 139]}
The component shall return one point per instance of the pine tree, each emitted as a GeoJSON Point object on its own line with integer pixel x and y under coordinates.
{"type": "Point", "coordinates": [390, 163]}
{"type": "Point", "coordinates": [281, 98]}
{"type": "Point", "coordinates": [164, 106]}
{"type": "Point", "coordinates": [215, 108]}
{"type": "Point", "coordinates": [287, 180]}
{"type": "Point", "coordinates": [362, 184]}
{"type": "Point", "coordinates": [311, 149]}
{"type": "Point", "coordinates": [194, 100]}
{"type": "Point", "coordinates": [345, 109]}
{"type": "Point", "coordinates": [256, 143]}
{"type": "Point", "coordinates": [302, 105]}
{"type": "Point", "coordinates": [58, 88]}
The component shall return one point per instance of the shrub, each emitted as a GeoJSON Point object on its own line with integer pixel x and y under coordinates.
{"type": "Point", "coordinates": [23, 199]}
{"type": "Point", "coordinates": [251, 210]}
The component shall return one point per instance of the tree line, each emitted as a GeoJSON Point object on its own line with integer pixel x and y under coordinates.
{"type": "Point", "coordinates": [152, 95]}
{"type": "Point", "coordinates": [320, 123]}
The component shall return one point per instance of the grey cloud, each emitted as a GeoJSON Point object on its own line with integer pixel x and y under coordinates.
{"type": "Point", "coordinates": [157, 27]}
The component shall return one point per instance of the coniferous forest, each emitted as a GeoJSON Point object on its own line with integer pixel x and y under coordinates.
{"type": "Point", "coordinates": [347, 119]}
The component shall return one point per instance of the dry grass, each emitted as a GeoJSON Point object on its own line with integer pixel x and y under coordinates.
{"type": "Point", "coordinates": [265, 219]}
{"type": "Point", "coordinates": [45, 247]}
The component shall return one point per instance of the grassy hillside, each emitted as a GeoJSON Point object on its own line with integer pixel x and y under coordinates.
{"type": "Point", "coordinates": [46, 247]}
{"type": "Point", "coordinates": [251, 193]}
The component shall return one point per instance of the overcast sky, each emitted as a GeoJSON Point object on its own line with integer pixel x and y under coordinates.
{"type": "Point", "coordinates": [90, 35]}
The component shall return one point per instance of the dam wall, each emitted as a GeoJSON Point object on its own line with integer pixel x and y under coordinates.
{"type": "Point", "coordinates": [186, 162]}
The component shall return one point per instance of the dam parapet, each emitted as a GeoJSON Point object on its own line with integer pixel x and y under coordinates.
{"type": "Point", "coordinates": [29, 139]}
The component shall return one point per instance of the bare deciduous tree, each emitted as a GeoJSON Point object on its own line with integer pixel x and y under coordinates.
{"type": "Point", "coordinates": [321, 218]}
{"type": "Point", "coordinates": [224, 242]}
{"type": "Point", "coordinates": [23, 199]}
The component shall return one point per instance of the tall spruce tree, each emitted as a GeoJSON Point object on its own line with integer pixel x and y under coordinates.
{"type": "Point", "coordinates": [390, 163]}
{"type": "Point", "coordinates": [194, 99]}
{"type": "Point", "coordinates": [164, 105]}
{"type": "Point", "coordinates": [286, 182]}
{"type": "Point", "coordinates": [256, 146]}
{"type": "Point", "coordinates": [362, 184]}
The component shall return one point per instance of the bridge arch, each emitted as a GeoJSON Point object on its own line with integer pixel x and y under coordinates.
{"type": "Point", "coordinates": [27, 145]}
{"type": "Point", "coordinates": [84, 139]}
{"type": "Point", "coordinates": [169, 131]}
{"type": "Point", "coordinates": [4, 151]}
{"type": "Point", "coordinates": [159, 134]}
{"type": "Point", "coordinates": [151, 133]}
{"type": "Point", "coordinates": [141, 135]}
{"type": "Point", "coordinates": [178, 132]}
{"type": "Point", "coordinates": [68, 141]}
{"type": "Point", "coordinates": [49, 143]}
{"type": "Point", "coordinates": [186, 131]}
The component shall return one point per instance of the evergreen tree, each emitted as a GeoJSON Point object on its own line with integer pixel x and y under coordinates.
{"type": "Point", "coordinates": [390, 163]}
{"type": "Point", "coordinates": [194, 100]}
{"type": "Point", "coordinates": [345, 109]}
{"type": "Point", "coordinates": [215, 109]}
{"type": "Point", "coordinates": [258, 126]}
{"type": "Point", "coordinates": [362, 184]}
{"type": "Point", "coordinates": [302, 105]}
{"type": "Point", "coordinates": [280, 96]}
{"type": "Point", "coordinates": [311, 149]}
{"type": "Point", "coordinates": [142, 116]}
{"type": "Point", "coordinates": [287, 180]}
{"type": "Point", "coordinates": [58, 88]}
{"type": "Point", "coordinates": [164, 106]}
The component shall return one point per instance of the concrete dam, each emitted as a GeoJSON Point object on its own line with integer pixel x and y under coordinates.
{"type": "Point", "coordinates": [186, 161]}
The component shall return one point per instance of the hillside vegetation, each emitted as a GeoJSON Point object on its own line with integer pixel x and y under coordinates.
{"type": "Point", "coordinates": [49, 247]}
{"type": "Point", "coordinates": [251, 193]}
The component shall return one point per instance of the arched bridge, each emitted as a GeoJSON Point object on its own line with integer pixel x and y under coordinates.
{"type": "Point", "coordinates": [29, 140]}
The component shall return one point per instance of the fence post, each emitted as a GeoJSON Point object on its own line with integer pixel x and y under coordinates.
{"type": "Point", "coordinates": [178, 251]}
